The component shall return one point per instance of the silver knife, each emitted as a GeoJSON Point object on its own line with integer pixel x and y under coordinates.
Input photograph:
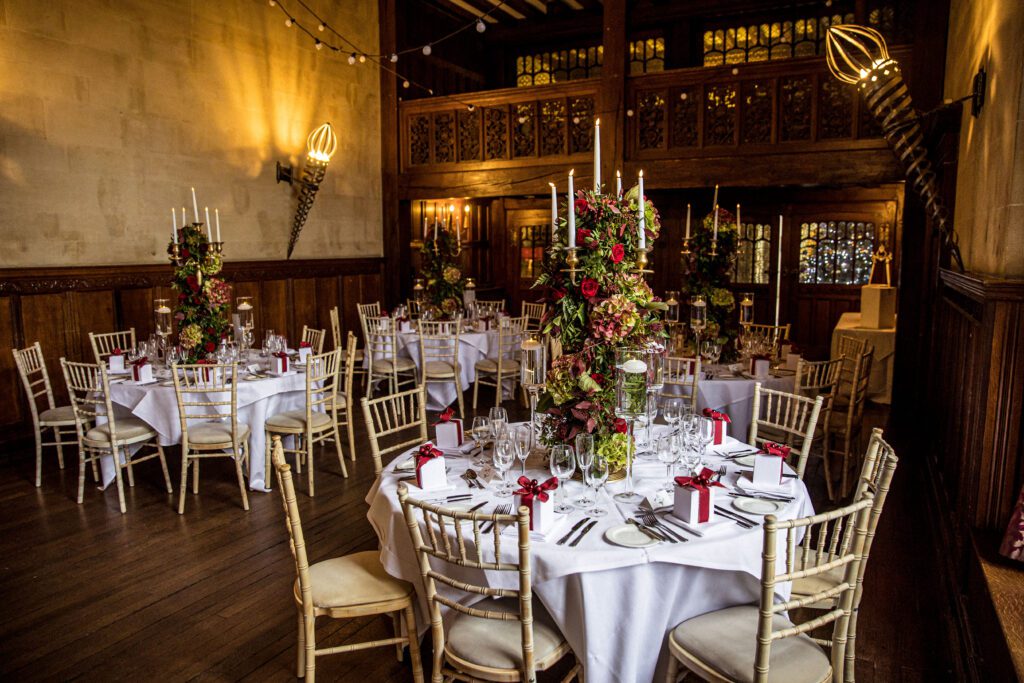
{"type": "Point", "coordinates": [674, 521]}
{"type": "Point", "coordinates": [578, 524]}
{"type": "Point", "coordinates": [584, 533]}
{"type": "Point", "coordinates": [650, 533]}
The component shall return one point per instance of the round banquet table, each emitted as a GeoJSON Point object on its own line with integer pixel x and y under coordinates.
{"type": "Point", "coordinates": [257, 400]}
{"type": "Point", "coordinates": [614, 605]}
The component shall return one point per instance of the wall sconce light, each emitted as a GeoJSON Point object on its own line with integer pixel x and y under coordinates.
{"type": "Point", "coordinates": [320, 147]}
{"type": "Point", "coordinates": [858, 55]}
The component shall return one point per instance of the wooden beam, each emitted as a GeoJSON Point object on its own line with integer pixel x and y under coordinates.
{"type": "Point", "coordinates": [465, 6]}
{"type": "Point", "coordinates": [389, 158]}
{"type": "Point", "coordinates": [539, 5]}
{"type": "Point", "coordinates": [574, 4]}
{"type": "Point", "coordinates": [507, 9]}
{"type": "Point", "coordinates": [612, 97]}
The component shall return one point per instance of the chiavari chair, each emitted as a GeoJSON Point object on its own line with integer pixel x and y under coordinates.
{"type": "Point", "coordinates": [844, 430]}
{"type": "Point", "coordinates": [207, 396]}
{"type": "Point", "coordinates": [820, 378]}
{"type": "Point", "coordinates": [770, 335]}
{"type": "Point", "coordinates": [343, 405]}
{"type": "Point", "coordinates": [104, 344]}
{"type": "Point", "coordinates": [534, 314]}
{"type": "Point", "coordinates": [493, 306]}
{"type": "Point", "coordinates": [787, 418]}
{"type": "Point", "coordinates": [46, 414]}
{"type": "Point", "coordinates": [439, 356]}
{"type": "Point", "coordinates": [504, 365]}
{"type": "Point", "coordinates": [369, 310]}
{"type": "Point", "coordinates": [346, 587]}
{"type": "Point", "coordinates": [315, 339]}
{"type": "Point", "coordinates": [414, 307]}
{"type": "Point", "coordinates": [682, 379]}
{"type": "Point", "coordinates": [383, 360]}
{"type": "Point", "coordinates": [358, 368]}
{"type": "Point", "coordinates": [401, 416]}
{"type": "Point", "coordinates": [506, 635]}
{"type": "Point", "coordinates": [317, 421]}
{"type": "Point", "coordinates": [759, 643]}
{"type": "Point", "coordinates": [101, 433]}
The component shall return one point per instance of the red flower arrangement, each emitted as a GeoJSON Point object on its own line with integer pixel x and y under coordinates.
{"type": "Point", "coordinates": [618, 253]}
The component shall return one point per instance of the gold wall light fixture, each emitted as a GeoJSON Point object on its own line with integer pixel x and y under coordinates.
{"type": "Point", "coordinates": [320, 147]}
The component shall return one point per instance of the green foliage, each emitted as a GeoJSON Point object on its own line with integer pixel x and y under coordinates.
{"type": "Point", "coordinates": [441, 273]}
{"type": "Point", "coordinates": [711, 275]}
{"type": "Point", "coordinates": [204, 300]}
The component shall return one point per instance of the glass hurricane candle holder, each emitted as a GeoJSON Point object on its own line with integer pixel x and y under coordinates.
{"type": "Point", "coordinates": [162, 316]}
{"type": "Point", "coordinates": [632, 380]}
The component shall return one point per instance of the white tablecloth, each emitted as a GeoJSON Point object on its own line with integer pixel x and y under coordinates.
{"type": "Point", "coordinates": [257, 400]}
{"type": "Point", "coordinates": [734, 396]}
{"type": "Point", "coordinates": [614, 605]}
{"type": "Point", "coordinates": [884, 342]}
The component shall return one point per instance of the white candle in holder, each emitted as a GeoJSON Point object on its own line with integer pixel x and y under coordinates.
{"type": "Point", "coordinates": [554, 211]}
{"type": "Point", "coordinates": [216, 215]}
{"type": "Point", "coordinates": [687, 221]}
{"type": "Point", "coordinates": [618, 184]}
{"type": "Point", "coordinates": [778, 275]}
{"type": "Point", "coordinates": [643, 218]}
{"type": "Point", "coordinates": [739, 221]}
{"type": "Point", "coordinates": [174, 226]}
{"type": "Point", "coordinates": [209, 230]}
{"type": "Point", "coordinates": [597, 155]}
{"type": "Point", "coordinates": [195, 204]}
{"type": "Point", "coordinates": [572, 212]}
{"type": "Point", "coordinates": [715, 209]}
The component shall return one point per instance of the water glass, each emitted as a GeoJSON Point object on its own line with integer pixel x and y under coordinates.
{"type": "Point", "coordinates": [504, 456]}
{"type": "Point", "coordinates": [672, 411]}
{"type": "Point", "coordinates": [595, 476]}
{"type": "Point", "coordinates": [584, 456]}
{"type": "Point", "coordinates": [563, 466]}
{"type": "Point", "coordinates": [499, 419]}
{"type": "Point", "coordinates": [521, 441]}
{"type": "Point", "coordinates": [668, 453]}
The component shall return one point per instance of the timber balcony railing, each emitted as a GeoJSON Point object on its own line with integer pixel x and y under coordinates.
{"type": "Point", "coordinates": [791, 105]}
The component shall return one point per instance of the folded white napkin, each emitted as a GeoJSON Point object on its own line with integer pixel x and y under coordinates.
{"type": "Point", "coordinates": [785, 488]}
{"type": "Point", "coordinates": [552, 534]}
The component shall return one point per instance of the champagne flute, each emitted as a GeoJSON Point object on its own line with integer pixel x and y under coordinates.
{"type": "Point", "coordinates": [596, 475]}
{"type": "Point", "coordinates": [563, 465]}
{"type": "Point", "coordinates": [504, 456]}
{"type": "Point", "coordinates": [584, 456]}
{"type": "Point", "coordinates": [521, 440]}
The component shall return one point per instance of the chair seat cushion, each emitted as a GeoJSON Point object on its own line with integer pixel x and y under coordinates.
{"type": "Point", "coordinates": [296, 419]}
{"type": "Point", "coordinates": [399, 365]}
{"type": "Point", "coordinates": [725, 641]}
{"type": "Point", "coordinates": [498, 644]}
{"type": "Point", "coordinates": [59, 415]}
{"type": "Point", "coordinates": [491, 365]}
{"type": "Point", "coordinates": [355, 579]}
{"type": "Point", "coordinates": [809, 585]}
{"type": "Point", "coordinates": [439, 368]}
{"type": "Point", "coordinates": [216, 432]}
{"type": "Point", "coordinates": [129, 430]}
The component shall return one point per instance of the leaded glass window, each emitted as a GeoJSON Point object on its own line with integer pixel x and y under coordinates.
{"type": "Point", "coordinates": [533, 242]}
{"type": "Point", "coordinates": [753, 254]}
{"type": "Point", "coordinates": [647, 55]}
{"type": "Point", "coordinates": [836, 252]}
{"type": "Point", "coordinates": [769, 41]}
{"type": "Point", "coordinates": [559, 66]}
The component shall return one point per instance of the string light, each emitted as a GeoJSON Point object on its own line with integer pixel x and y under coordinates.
{"type": "Point", "coordinates": [320, 27]}
{"type": "Point", "coordinates": [288, 22]}
{"type": "Point", "coordinates": [393, 57]}
{"type": "Point", "coordinates": [362, 59]}
{"type": "Point", "coordinates": [480, 26]}
{"type": "Point", "coordinates": [405, 84]}
{"type": "Point", "coordinates": [427, 49]}
{"type": "Point", "coordinates": [352, 58]}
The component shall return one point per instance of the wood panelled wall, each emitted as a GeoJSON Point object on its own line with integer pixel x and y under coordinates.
{"type": "Point", "coordinates": [60, 306]}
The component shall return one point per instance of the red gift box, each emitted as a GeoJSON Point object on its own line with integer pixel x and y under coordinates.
{"type": "Point", "coordinates": [718, 421]}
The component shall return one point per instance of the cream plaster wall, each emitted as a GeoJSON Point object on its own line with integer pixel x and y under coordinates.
{"type": "Point", "coordinates": [990, 176]}
{"type": "Point", "coordinates": [111, 109]}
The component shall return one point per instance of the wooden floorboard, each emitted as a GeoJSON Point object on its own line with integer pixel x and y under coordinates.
{"type": "Point", "coordinates": [89, 594]}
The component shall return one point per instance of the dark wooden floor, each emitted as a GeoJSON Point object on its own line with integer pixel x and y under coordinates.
{"type": "Point", "coordinates": [87, 593]}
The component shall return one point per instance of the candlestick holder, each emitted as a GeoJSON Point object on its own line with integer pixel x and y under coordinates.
{"type": "Point", "coordinates": [686, 247]}
{"type": "Point", "coordinates": [641, 260]}
{"type": "Point", "coordinates": [572, 262]}
{"type": "Point", "coordinates": [175, 255]}
{"type": "Point", "coordinates": [714, 248]}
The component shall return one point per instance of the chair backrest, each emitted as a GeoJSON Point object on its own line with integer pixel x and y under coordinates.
{"type": "Point", "coordinates": [533, 313]}
{"type": "Point", "coordinates": [876, 472]}
{"type": "Point", "coordinates": [854, 377]}
{"type": "Point", "coordinates": [104, 344]}
{"type": "Point", "coordinates": [314, 337]}
{"type": "Point", "coordinates": [772, 334]}
{"type": "Point", "coordinates": [817, 378]}
{"type": "Point", "coordinates": [369, 310]}
{"type": "Point", "coordinates": [32, 369]}
{"type": "Point", "coordinates": [296, 539]}
{"type": "Point", "coordinates": [89, 391]}
{"type": "Point", "coordinates": [381, 339]}
{"type": "Point", "coordinates": [322, 373]}
{"type": "Point", "coordinates": [682, 378]}
{"type": "Point", "coordinates": [511, 332]}
{"type": "Point", "coordinates": [446, 542]}
{"type": "Point", "coordinates": [414, 308]}
{"type": "Point", "coordinates": [790, 414]}
{"type": "Point", "coordinates": [439, 343]}
{"type": "Point", "coordinates": [493, 305]}
{"type": "Point", "coordinates": [349, 366]}
{"type": "Point", "coordinates": [402, 416]}
{"type": "Point", "coordinates": [206, 393]}
{"type": "Point", "coordinates": [335, 327]}
{"type": "Point", "coordinates": [813, 546]}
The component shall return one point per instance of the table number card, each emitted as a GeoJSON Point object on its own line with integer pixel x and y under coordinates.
{"type": "Point", "coordinates": [305, 351]}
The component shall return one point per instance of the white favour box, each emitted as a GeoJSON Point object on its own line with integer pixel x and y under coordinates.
{"type": "Point", "coordinates": [767, 469]}
{"type": "Point", "coordinates": [142, 373]}
{"type": "Point", "coordinates": [213, 375]}
{"type": "Point", "coordinates": [686, 504]}
{"type": "Point", "coordinates": [304, 353]}
{"type": "Point", "coordinates": [432, 474]}
{"type": "Point", "coordinates": [760, 367]}
{"type": "Point", "coordinates": [542, 513]}
{"type": "Point", "coordinates": [877, 307]}
{"type": "Point", "coordinates": [278, 365]}
{"type": "Point", "coordinates": [792, 360]}
{"type": "Point", "coordinates": [719, 431]}
{"type": "Point", "coordinates": [448, 434]}
{"type": "Point", "coordinates": [115, 363]}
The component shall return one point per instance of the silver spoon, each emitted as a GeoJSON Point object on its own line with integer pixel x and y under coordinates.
{"type": "Point", "coordinates": [472, 478]}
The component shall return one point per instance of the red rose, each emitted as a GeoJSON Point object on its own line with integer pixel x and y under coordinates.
{"type": "Point", "coordinates": [210, 330]}
{"type": "Point", "coordinates": [582, 235]}
{"type": "Point", "coordinates": [597, 377]}
{"type": "Point", "coordinates": [589, 287]}
{"type": "Point", "coordinates": [185, 253]}
{"type": "Point", "coordinates": [581, 205]}
{"type": "Point", "coordinates": [557, 294]}
{"type": "Point", "coordinates": [618, 253]}
{"type": "Point", "coordinates": [181, 297]}
{"type": "Point", "coordinates": [193, 283]}
{"type": "Point", "coordinates": [210, 347]}
{"type": "Point", "coordinates": [620, 426]}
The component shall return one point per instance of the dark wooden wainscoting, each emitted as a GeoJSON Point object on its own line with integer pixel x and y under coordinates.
{"type": "Point", "coordinates": [60, 306]}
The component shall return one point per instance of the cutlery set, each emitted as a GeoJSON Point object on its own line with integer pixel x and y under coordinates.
{"type": "Point", "coordinates": [586, 529]}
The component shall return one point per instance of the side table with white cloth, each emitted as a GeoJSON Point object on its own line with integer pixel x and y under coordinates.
{"type": "Point", "coordinates": [258, 399]}
{"type": "Point", "coordinates": [884, 342]}
{"type": "Point", "coordinates": [615, 605]}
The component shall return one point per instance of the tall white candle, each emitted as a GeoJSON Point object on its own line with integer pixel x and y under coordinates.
{"type": "Point", "coordinates": [739, 221]}
{"type": "Point", "coordinates": [554, 211]}
{"type": "Point", "coordinates": [715, 234]}
{"type": "Point", "coordinates": [195, 204]}
{"type": "Point", "coordinates": [778, 275]}
{"type": "Point", "coordinates": [183, 221]}
{"type": "Point", "coordinates": [643, 218]}
{"type": "Point", "coordinates": [597, 155]}
{"type": "Point", "coordinates": [174, 226]}
{"type": "Point", "coordinates": [209, 230]}
{"type": "Point", "coordinates": [216, 214]}
{"type": "Point", "coordinates": [687, 220]}
{"type": "Point", "coordinates": [572, 211]}
{"type": "Point", "coordinates": [618, 184]}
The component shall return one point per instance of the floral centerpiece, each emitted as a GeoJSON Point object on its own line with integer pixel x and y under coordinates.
{"type": "Point", "coordinates": [710, 275]}
{"type": "Point", "coordinates": [610, 305]}
{"type": "Point", "coordinates": [440, 270]}
{"type": "Point", "coordinates": [204, 300]}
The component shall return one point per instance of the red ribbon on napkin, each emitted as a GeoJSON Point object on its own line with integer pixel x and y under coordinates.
{"type": "Point", "coordinates": [720, 419]}
{"type": "Point", "coordinates": [531, 489]}
{"type": "Point", "coordinates": [702, 483]}
{"type": "Point", "coordinates": [284, 360]}
{"type": "Point", "coordinates": [427, 452]}
{"type": "Point", "coordinates": [137, 367]}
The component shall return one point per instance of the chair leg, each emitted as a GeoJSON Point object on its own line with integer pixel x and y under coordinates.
{"type": "Point", "coordinates": [95, 470]}
{"type": "Point", "coordinates": [497, 391]}
{"type": "Point", "coordinates": [267, 476]}
{"type": "Point", "coordinates": [350, 426]}
{"type": "Point", "coordinates": [39, 458]}
{"type": "Point", "coordinates": [396, 624]}
{"type": "Point", "coordinates": [300, 670]}
{"type": "Point", "coordinates": [458, 392]}
{"type": "Point", "coordinates": [341, 454]}
{"type": "Point", "coordinates": [851, 650]}
{"type": "Point", "coordinates": [120, 482]}
{"type": "Point", "coordinates": [673, 668]}
{"type": "Point", "coordinates": [476, 387]}
{"type": "Point", "coordinates": [309, 640]}
{"type": "Point", "coordinates": [238, 457]}
{"type": "Point", "coordinates": [60, 446]}
{"type": "Point", "coordinates": [163, 466]}
{"type": "Point", "coordinates": [308, 448]}
{"type": "Point", "coordinates": [129, 466]}
{"type": "Point", "coordinates": [81, 474]}
{"type": "Point", "coordinates": [414, 644]}
{"type": "Point", "coordinates": [184, 481]}
{"type": "Point", "coordinates": [195, 476]}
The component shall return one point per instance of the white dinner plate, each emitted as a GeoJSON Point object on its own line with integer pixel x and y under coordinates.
{"type": "Point", "coordinates": [167, 383]}
{"type": "Point", "coordinates": [745, 460]}
{"type": "Point", "coordinates": [407, 466]}
{"type": "Point", "coordinates": [757, 507]}
{"type": "Point", "coordinates": [253, 378]}
{"type": "Point", "coordinates": [628, 536]}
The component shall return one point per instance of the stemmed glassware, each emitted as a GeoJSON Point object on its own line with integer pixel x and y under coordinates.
{"type": "Point", "coordinates": [668, 453]}
{"type": "Point", "coordinates": [499, 419]}
{"type": "Point", "coordinates": [703, 436]}
{"type": "Point", "coordinates": [504, 456]}
{"type": "Point", "coordinates": [595, 476]}
{"type": "Point", "coordinates": [480, 431]}
{"type": "Point", "coordinates": [584, 456]}
{"type": "Point", "coordinates": [672, 412]}
{"type": "Point", "coordinates": [521, 440]}
{"type": "Point", "coordinates": [698, 317]}
{"type": "Point", "coordinates": [563, 466]}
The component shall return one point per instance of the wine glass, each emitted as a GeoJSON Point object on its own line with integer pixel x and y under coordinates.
{"type": "Point", "coordinates": [504, 456]}
{"type": "Point", "coordinates": [690, 455]}
{"type": "Point", "coordinates": [668, 453]}
{"type": "Point", "coordinates": [521, 440]}
{"type": "Point", "coordinates": [480, 432]}
{"type": "Point", "coordinates": [173, 355]}
{"type": "Point", "coordinates": [704, 435]}
{"type": "Point", "coordinates": [596, 475]}
{"type": "Point", "coordinates": [672, 411]}
{"type": "Point", "coordinates": [563, 465]}
{"type": "Point", "coordinates": [584, 456]}
{"type": "Point", "coordinates": [499, 418]}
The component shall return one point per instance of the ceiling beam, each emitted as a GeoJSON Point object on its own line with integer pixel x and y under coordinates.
{"type": "Point", "coordinates": [540, 5]}
{"type": "Point", "coordinates": [511, 11]}
{"type": "Point", "coordinates": [463, 5]}
{"type": "Point", "coordinates": [573, 4]}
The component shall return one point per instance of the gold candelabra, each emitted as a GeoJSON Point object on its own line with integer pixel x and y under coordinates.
{"type": "Point", "coordinates": [572, 263]}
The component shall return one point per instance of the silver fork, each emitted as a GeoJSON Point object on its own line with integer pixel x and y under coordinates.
{"type": "Point", "coordinates": [721, 472]}
{"type": "Point", "coordinates": [503, 509]}
{"type": "Point", "coordinates": [651, 519]}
